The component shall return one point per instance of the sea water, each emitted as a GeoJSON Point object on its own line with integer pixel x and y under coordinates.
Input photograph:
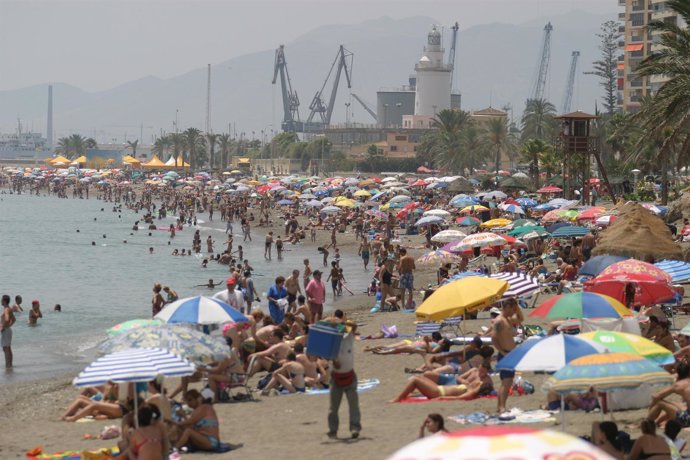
{"type": "Point", "coordinates": [46, 253]}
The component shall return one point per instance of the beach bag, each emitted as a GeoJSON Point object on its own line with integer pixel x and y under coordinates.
{"type": "Point", "coordinates": [343, 379]}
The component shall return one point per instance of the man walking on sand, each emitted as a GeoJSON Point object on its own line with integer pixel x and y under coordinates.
{"type": "Point", "coordinates": [503, 342]}
{"type": "Point", "coordinates": [344, 381]}
{"type": "Point", "coordinates": [406, 269]}
{"type": "Point", "coordinates": [6, 322]}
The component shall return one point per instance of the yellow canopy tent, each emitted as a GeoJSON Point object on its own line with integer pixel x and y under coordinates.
{"type": "Point", "coordinates": [130, 159]}
{"type": "Point", "coordinates": [79, 161]}
{"type": "Point", "coordinates": [59, 159]}
{"type": "Point", "coordinates": [154, 163]}
{"type": "Point", "coordinates": [462, 296]}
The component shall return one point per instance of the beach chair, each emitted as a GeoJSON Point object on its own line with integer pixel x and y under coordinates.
{"type": "Point", "coordinates": [453, 324]}
{"type": "Point", "coordinates": [239, 381]}
{"type": "Point", "coordinates": [426, 328]}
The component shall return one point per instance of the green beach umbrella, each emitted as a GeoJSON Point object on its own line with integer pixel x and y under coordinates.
{"type": "Point", "coordinates": [631, 343]}
{"type": "Point", "coordinates": [132, 324]}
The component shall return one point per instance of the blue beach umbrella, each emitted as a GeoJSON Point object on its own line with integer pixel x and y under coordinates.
{"type": "Point", "coordinates": [200, 310]}
{"type": "Point", "coordinates": [568, 232]}
{"type": "Point", "coordinates": [285, 203]}
{"type": "Point", "coordinates": [679, 271]}
{"type": "Point", "coordinates": [133, 365]}
{"type": "Point", "coordinates": [548, 354]}
{"type": "Point", "coordinates": [597, 264]}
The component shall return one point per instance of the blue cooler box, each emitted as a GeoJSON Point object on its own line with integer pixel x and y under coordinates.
{"type": "Point", "coordinates": [324, 341]}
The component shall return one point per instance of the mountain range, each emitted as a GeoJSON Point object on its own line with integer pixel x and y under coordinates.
{"type": "Point", "coordinates": [496, 65]}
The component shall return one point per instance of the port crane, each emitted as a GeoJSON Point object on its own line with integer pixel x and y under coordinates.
{"type": "Point", "coordinates": [543, 71]}
{"type": "Point", "coordinates": [568, 93]}
{"type": "Point", "coordinates": [451, 55]}
{"type": "Point", "coordinates": [318, 106]}
{"type": "Point", "coordinates": [365, 105]}
{"type": "Point", "coordinates": [291, 122]}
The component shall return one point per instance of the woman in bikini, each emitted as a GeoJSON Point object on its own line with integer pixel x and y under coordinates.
{"type": "Point", "coordinates": [200, 429]}
{"type": "Point", "coordinates": [149, 441]}
{"type": "Point", "coordinates": [473, 383]}
{"type": "Point", "coordinates": [229, 369]}
{"type": "Point", "coordinates": [434, 344]}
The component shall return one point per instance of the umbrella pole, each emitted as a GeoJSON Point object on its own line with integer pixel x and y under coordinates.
{"type": "Point", "coordinates": [562, 412]}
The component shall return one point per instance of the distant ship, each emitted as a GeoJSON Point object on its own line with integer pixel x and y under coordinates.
{"type": "Point", "coordinates": [23, 145]}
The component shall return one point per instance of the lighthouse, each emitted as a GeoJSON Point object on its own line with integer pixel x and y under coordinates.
{"type": "Point", "coordinates": [432, 93]}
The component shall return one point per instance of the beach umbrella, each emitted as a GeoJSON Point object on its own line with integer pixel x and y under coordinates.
{"type": "Point", "coordinates": [376, 214]}
{"type": "Point", "coordinates": [556, 226]}
{"type": "Point", "coordinates": [544, 207]}
{"type": "Point", "coordinates": [581, 305]}
{"type": "Point", "coordinates": [495, 223]}
{"type": "Point", "coordinates": [467, 221]}
{"type": "Point", "coordinates": [132, 324]}
{"type": "Point", "coordinates": [400, 199]}
{"type": "Point", "coordinates": [597, 264]}
{"type": "Point", "coordinates": [652, 284]}
{"type": "Point", "coordinates": [552, 216]}
{"type": "Point", "coordinates": [344, 203]}
{"type": "Point", "coordinates": [429, 220]}
{"type": "Point", "coordinates": [285, 203]}
{"type": "Point", "coordinates": [569, 232]}
{"type": "Point", "coordinates": [527, 202]}
{"type": "Point", "coordinates": [550, 189]}
{"type": "Point", "coordinates": [591, 213]}
{"type": "Point", "coordinates": [679, 271]}
{"type": "Point", "coordinates": [631, 343]}
{"type": "Point", "coordinates": [474, 208]}
{"type": "Point", "coordinates": [494, 442]}
{"type": "Point", "coordinates": [607, 372]}
{"type": "Point", "coordinates": [603, 221]}
{"type": "Point", "coordinates": [460, 297]}
{"type": "Point", "coordinates": [437, 212]}
{"type": "Point", "coordinates": [314, 203]}
{"type": "Point", "coordinates": [330, 209]}
{"type": "Point", "coordinates": [512, 208]}
{"type": "Point", "coordinates": [363, 193]}
{"type": "Point", "coordinates": [446, 236]}
{"type": "Point", "coordinates": [437, 257]}
{"type": "Point", "coordinates": [200, 310]}
{"type": "Point", "coordinates": [133, 365]}
{"type": "Point", "coordinates": [307, 196]}
{"type": "Point", "coordinates": [525, 229]}
{"type": "Point", "coordinates": [494, 195]}
{"type": "Point", "coordinates": [519, 284]}
{"type": "Point", "coordinates": [177, 339]}
{"type": "Point", "coordinates": [480, 240]}
{"type": "Point", "coordinates": [459, 276]}
{"type": "Point", "coordinates": [548, 354]}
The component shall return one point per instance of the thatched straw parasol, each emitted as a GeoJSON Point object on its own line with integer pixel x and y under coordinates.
{"type": "Point", "coordinates": [640, 234]}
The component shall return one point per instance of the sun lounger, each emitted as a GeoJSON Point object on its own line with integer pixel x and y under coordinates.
{"type": "Point", "coordinates": [426, 328]}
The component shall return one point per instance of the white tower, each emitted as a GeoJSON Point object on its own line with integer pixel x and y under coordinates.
{"type": "Point", "coordinates": [433, 78]}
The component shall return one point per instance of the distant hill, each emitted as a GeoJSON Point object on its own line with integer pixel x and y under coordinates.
{"type": "Point", "coordinates": [496, 64]}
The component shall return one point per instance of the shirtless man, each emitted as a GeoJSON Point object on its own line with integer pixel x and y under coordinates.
{"type": "Point", "coordinates": [661, 410]}
{"type": "Point", "coordinates": [365, 250]}
{"type": "Point", "coordinates": [268, 246]}
{"type": "Point", "coordinates": [315, 375]}
{"type": "Point", "coordinates": [306, 276]}
{"type": "Point", "coordinates": [406, 269]}
{"type": "Point", "coordinates": [6, 322]}
{"type": "Point", "coordinates": [293, 290]}
{"type": "Point", "coordinates": [271, 358]}
{"type": "Point", "coordinates": [290, 376]}
{"type": "Point", "coordinates": [503, 342]}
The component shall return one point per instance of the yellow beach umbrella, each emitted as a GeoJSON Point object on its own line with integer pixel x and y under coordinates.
{"type": "Point", "coordinates": [474, 208]}
{"type": "Point", "coordinates": [385, 207]}
{"type": "Point", "coordinates": [494, 223]}
{"type": "Point", "coordinates": [462, 296]}
{"type": "Point", "coordinates": [362, 193]}
{"type": "Point", "coordinates": [344, 203]}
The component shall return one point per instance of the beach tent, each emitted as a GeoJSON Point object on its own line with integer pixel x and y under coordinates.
{"type": "Point", "coordinates": [79, 161]}
{"type": "Point", "coordinates": [130, 159]}
{"type": "Point", "coordinates": [180, 162]}
{"type": "Point", "coordinates": [155, 163]}
{"type": "Point", "coordinates": [59, 159]}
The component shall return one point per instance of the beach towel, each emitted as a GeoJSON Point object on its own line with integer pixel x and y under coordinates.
{"type": "Point", "coordinates": [99, 454]}
{"type": "Point", "coordinates": [423, 399]}
{"type": "Point", "coordinates": [362, 386]}
{"type": "Point", "coordinates": [514, 416]}
{"type": "Point", "coordinates": [221, 449]}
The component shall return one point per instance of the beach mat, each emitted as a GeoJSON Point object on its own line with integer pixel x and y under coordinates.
{"type": "Point", "coordinates": [98, 454]}
{"type": "Point", "coordinates": [423, 399]}
{"type": "Point", "coordinates": [514, 416]}
{"type": "Point", "coordinates": [362, 386]}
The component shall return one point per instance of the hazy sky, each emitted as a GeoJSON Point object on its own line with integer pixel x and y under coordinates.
{"type": "Point", "coordinates": [97, 44]}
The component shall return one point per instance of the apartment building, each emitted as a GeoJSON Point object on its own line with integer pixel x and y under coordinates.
{"type": "Point", "coordinates": [638, 43]}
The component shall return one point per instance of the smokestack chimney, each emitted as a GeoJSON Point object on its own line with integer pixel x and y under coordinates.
{"type": "Point", "coordinates": [49, 130]}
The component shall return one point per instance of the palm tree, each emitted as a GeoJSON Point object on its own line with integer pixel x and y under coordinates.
{"type": "Point", "coordinates": [177, 142]}
{"type": "Point", "coordinates": [496, 137]}
{"type": "Point", "coordinates": [64, 147]}
{"type": "Point", "coordinates": [531, 151]}
{"type": "Point", "coordinates": [133, 145]}
{"type": "Point", "coordinates": [161, 146]}
{"type": "Point", "coordinates": [665, 120]}
{"type": "Point", "coordinates": [550, 163]}
{"type": "Point", "coordinates": [211, 141]}
{"type": "Point", "coordinates": [538, 120]}
{"type": "Point", "coordinates": [90, 143]}
{"type": "Point", "coordinates": [194, 143]}
{"type": "Point", "coordinates": [450, 124]}
{"type": "Point", "coordinates": [225, 145]}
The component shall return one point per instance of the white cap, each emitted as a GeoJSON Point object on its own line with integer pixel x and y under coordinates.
{"type": "Point", "coordinates": [495, 310]}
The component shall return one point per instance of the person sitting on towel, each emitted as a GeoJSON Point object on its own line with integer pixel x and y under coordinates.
{"type": "Point", "coordinates": [473, 383]}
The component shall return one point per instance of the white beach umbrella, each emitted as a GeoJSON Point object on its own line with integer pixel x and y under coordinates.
{"type": "Point", "coordinates": [446, 236]}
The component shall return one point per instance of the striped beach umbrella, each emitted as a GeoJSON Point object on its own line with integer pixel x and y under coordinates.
{"type": "Point", "coordinates": [597, 264]}
{"type": "Point", "coordinates": [581, 305]}
{"type": "Point", "coordinates": [631, 343]}
{"type": "Point", "coordinates": [200, 310]}
{"type": "Point", "coordinates": [548, 354]}
{"type": "Point", "coordinates": [481, 240]}
{"type": "Point", "coordinates": [437, 257]}
{"type": "Point", "coordinates": [132, 324]}
{"type": "Point", "coordinates": [446, 236]}
{"type": "Point", "coordinates": [679, 271]}
{"type": "Point", "coordinates": [519, 284]}
{"type": "Point", "coordinates": [569, 232]}
{"type": "Point", "coordinates": [607, 372]}
{"type": "Point", "coordinates": [133, 365]}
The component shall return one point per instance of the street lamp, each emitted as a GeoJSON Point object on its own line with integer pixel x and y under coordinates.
{"type": "Point", "coordinates": [385, 115]}
{"type": "Point", "coordinates": [347, 114]}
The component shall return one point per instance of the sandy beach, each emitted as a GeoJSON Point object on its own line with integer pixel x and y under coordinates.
{"type": "Point", "coordinates": [291, 426]}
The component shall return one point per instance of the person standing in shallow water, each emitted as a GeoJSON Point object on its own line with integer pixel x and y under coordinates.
{"type": "Point", "coordinates": [6, 322]}
{"type": "Point", "coordinates": [157, 300]}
